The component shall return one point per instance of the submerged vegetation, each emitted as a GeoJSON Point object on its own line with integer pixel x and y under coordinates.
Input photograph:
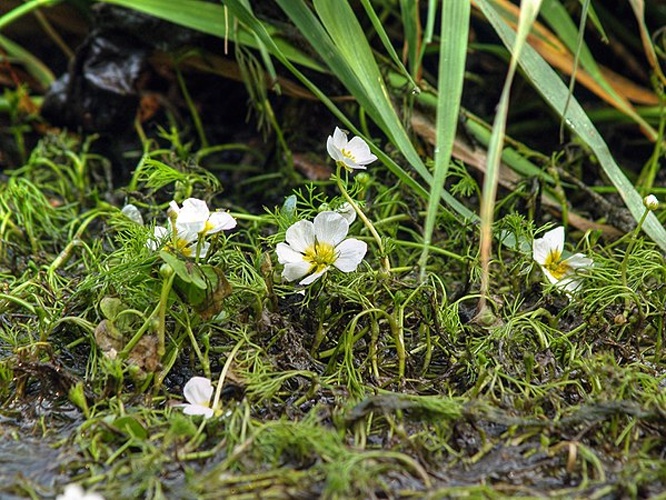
{"type": "Point", "coordinates": [298, 250]}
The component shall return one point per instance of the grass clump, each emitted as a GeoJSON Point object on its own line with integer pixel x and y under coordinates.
{"type": "Point", "coordinates": [210, 323]}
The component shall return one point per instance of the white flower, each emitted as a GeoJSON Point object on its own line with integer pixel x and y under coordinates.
{"type": "Point", "coordinates": [198, 392]}
{"type": "Point", "coordinates": [195, 217]}
{"type": "Point", "coordinates": [547, 252]}
{"type": "Point", "coordinates": [186, 242]}
{"type": "Point", "coordinates": [76, 492]}
{"type": "Point", "coordinates": [353, 155]}
{"type": "Point", "coordinates": [651, 202]}
{"type": "Point", "coordinates": [312, 248]}
{"type": "Point", "coordinates": [189, 224]}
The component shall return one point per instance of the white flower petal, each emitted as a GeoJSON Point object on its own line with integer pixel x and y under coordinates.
{"type": "Point", "coordinates": [76, 492]}
{"type": "Point", "coordinates": [160, 236]}
{"type": "Point", "coordinates": [550, 277]}
{"type": "Point", "coordinates": [579, 261]}
{"type": "Point", "coordinates": [339, 138]}
{"type": "Point", "coordinates": [352, 164]}
{"type": "Point", "coordinates": [198, 410]}
{"type": "Point", "coordinates": [360, 151]}
{"type": "Point", "coordinates": [300, 235]}
{"type": "Point", "coordinates": [220, 221]}
{"type": "Point", "coordinates": [198, 391]}
{"type": "Point", "coordinates": [295, 270]}
{"type": "Point", "coordinates": [313, 277]}
{"type": "Point", "coordinates": [569, 285]}
{"type": "Point", "coordinates": [173, 209]}
{"type": "Point", "coordinates": [347, 211]}
{"type": "Point", "coordinates": [193, 215]}
{"type": "Point", "coordinates": [333, 150]}
{"type": "Point", "coordinates": [330, 227]}
{"type": "Point", "coordinates": [287, 255]}
{"type": "Point", "coordinates": [350, 254]}
{"type": "Point", "coordinates": [553, 240]}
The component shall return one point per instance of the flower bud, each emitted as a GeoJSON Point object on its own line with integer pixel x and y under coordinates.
{"type": "Point", "coordinates": [651, 202]}
{"type": "Point", "coordinates": [166, 271]}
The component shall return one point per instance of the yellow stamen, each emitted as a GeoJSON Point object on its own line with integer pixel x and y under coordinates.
{"type": "Point", "coordinates": [556, 267]}
{"type": "Point", "coordinates": [320, 256]}
{"type": "Point", "coordinates": [207, 227]}
{"type": "Point", "coordinates": [347, 154]}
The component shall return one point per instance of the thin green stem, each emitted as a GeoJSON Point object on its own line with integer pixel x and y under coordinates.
{"type": "Point", "coordinates": [161, 313]}
{"type": "Point", "coordinates": [630, 246]}
{"type": "Point", "coordinates": [386, 265]}
{"type": "Point", "coordinates": [223, 374]}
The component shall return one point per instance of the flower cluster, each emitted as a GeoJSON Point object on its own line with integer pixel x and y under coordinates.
{"type": "Point", "coordinates": [311, 248]}
{"type": "Point", "coordinates": [547, 252]}
{"type": "Point", "coordinates": [189, 225]}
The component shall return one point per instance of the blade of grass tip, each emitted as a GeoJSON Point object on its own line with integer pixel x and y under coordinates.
{"type": "Point", "coordinates": [548, 83]}
{"type": "Point", "coordinates": [528, 12]}
{"type": "Point", "coordinates": [24, 9]}
{"type": "Point", "coordinates": [638, 7]}
{"type": "Point", "coordinates": [451, 75]}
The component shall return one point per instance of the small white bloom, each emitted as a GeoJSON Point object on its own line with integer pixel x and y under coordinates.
{"type": "Point", "coordinates": [198, 391]}
{"type": "Point", "coordinates": [312, 248]}
{"type": "Point", "coordinates": [76, 492]}
{"type": "Point", "coordinates": [190, 223]}
{"type": "Point", "coordinates": [354, 154]}
{"type": "Point", "coordinates": [651, 202]}
{"type": "Point", "coordinates": [131, 212]}
{"type": "Point", "coordinates": [547, 252]}
{"type": "Point", "coordinates": [186, 242]}
{"type": "Point", "coordinates": [194, 216]}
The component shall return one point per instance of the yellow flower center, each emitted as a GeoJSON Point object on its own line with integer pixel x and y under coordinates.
{"type": "Point", "coordinates": [348, 154]}
{"type": "Point", "coordinates": [320, 256]}
{"type": "Point", "coordinates": [182, 247]}
{"type": "Point", "coordinates": [556, 267]}
{"type": "Point", "coordinates": [207, 227]}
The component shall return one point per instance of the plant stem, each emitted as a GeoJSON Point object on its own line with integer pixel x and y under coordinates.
{"type": "Point", "coordinates": [386, 265]}
{"type": "Point", "coordinates": [630, 246]}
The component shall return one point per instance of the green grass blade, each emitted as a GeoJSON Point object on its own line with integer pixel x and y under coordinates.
{"type": "Point", "coordinates": [386, 41]}
{"type": "Point", "coordinates": [555, 92]}
{"type": "Point", "coordinates": [24, 9]}
{"type": "Point", "coordinates": [32, 64]}
{"type": "Point", "coordinates": [528, 12]}
{"type": "Point", "coordinates": [451, 75]}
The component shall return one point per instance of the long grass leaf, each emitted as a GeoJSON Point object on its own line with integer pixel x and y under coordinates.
{"type": "Point", "coordinates": [528, 12]}
{"type": "Point", "coordinates": [451, 75]}
{"type": "Point", "coordinates": [555, 92]}
{"type": "Point", "coordinates": [386, 41]}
